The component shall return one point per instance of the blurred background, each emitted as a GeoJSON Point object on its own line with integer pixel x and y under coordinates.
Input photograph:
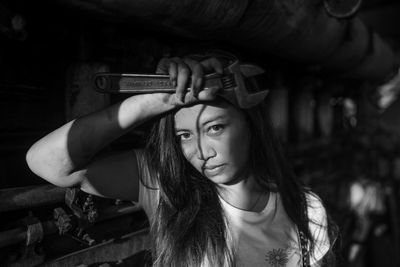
{"type": "Point", "coordinates": [332, 68]}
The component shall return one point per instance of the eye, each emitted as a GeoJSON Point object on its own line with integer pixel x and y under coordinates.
{"type": "Point", "coordinates": [184, 136]}
{"type": "Point", "coordinates": [216, 129]}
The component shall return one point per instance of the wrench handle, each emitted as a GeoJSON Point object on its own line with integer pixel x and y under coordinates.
{"type": "Point", "coordinates": [145, 83]}
{"type": "Point", "coordinates": [132, 83]}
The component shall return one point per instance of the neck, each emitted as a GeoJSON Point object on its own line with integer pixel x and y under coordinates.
{"type": "Point", "coordinates": [245, 194]}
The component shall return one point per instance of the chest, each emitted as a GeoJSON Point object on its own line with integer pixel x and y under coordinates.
{"type": "Point", "coordinates": [268, 238]}
{"type": "Point", "coordinates": [271, 244]}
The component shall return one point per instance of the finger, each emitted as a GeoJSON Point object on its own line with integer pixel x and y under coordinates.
{"type": "Point", "coordinates": [173, 73]}
{"type": "Point", "coordinates": [163, 65]}
{"type": "Point", "coordinates": [183, 77]}
{"type": "Point", "coordinates": [212, 65]}
{"type": "Point", "coordinates": [166, 65]}
{"type": "Point", "coordinates": [197, 75]}
{"type": "Point", "coordinates": [208, 93]}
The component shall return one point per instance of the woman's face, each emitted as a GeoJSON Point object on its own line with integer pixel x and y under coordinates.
{"type": "Point", "coordinates": [215, 139]}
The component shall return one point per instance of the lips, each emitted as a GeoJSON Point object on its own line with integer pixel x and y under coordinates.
{"type": "Point", "coordinates": [214, 169]}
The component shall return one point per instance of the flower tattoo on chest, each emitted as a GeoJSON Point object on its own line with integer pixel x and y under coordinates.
{"type": "Point", "coordinates": [277, 257]}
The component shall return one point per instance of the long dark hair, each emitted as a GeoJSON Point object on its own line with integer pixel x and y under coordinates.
{"type": "Point", "coordinates": [189, 225]}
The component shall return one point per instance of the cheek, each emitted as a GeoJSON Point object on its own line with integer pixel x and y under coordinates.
{"type": "Point", "coordinates": [239, 145]}
{"type": "Point", "coordinates": [189, 151]}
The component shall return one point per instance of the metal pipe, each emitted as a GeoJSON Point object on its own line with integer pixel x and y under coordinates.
{"type": "Point", "coordinates": [12, 237]}
{"type": "Point", "coordinates": [20, 234]}
{"type": "Point", "coordinates": [30, 196]}
{"type": "Point", "coordinates": [300, 31]}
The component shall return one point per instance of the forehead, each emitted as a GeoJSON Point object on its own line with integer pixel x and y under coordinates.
{"type": "Point", "coordinates": [199, 114]}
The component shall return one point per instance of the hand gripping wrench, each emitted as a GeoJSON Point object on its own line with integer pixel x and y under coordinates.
{"type": "Point", "coordinates": [238, 84]}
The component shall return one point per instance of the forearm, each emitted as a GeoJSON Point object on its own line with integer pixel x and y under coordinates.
{"type": "Point", "coordinates": [72, 146]}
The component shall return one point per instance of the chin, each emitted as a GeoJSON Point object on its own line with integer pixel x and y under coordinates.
{"type": "Point", "coordinates": [224, 179]}
{"type": "Point", "coordinates": [219, 179]}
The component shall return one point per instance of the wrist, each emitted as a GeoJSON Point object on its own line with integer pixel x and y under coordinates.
{"type": "Point", "coordinates": [140, 108]}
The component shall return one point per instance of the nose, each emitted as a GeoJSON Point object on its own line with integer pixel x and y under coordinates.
{"type": "Point", "coordinates": [205, 149]}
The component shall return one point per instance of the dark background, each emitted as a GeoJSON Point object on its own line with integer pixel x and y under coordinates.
{"type": "Point", "coordinates": [336, 138]}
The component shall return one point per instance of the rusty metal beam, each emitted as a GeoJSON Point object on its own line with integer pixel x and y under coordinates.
{"type": "Point", "coordinates": [300, 31]}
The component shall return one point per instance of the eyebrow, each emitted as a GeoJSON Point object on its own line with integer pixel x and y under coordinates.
{"type": "Point", "coordinates": [206, 121]}
{"type": "Point", "coordinates": [210, 119]}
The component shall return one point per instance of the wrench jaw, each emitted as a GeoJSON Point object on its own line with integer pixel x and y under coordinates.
{"type": "Point", "coordinates": [242, 97]}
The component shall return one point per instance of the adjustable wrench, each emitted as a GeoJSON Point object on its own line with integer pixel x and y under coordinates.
{"type": "Point", "coordinates": [232, 83]}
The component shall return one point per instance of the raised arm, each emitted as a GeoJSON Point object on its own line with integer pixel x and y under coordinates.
{"type": "Point", "coordinates": [70, 156]}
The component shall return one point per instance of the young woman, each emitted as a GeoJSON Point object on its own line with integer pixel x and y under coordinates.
{"type": "Point", "coordinates": [211, 179]}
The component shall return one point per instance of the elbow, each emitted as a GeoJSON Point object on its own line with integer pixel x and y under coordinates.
{"type": "Point", "coordinates": [44, 169]}
{"type": "Point", "coordinates": [31, 160]}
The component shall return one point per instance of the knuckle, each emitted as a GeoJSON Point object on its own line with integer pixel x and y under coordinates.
{"type": "Point", "coordinates": [197, 68]}
{"type": "Point", "coordinates": [193, 64]}
{"type": "Point", "coordinates": [163, 60]}
{"type": "Point", "coordinates": [175, 59]}
{"type": "Point", "coordinates": [162, 65]}
{"type": "Point", "coordinates": [172, 71]}
{"type": "Point", "coordinates": [184, 70]}
{"type": "Point", "coordinates": [214, 60]}
{"type": "Point", "coordinates": [188, 60]}
{"type": "Point", "coordinates": [171, 63]}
